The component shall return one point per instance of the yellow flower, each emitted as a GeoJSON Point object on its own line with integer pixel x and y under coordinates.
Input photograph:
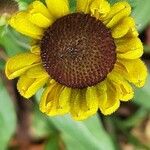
{"type": "Point", "coordinates": [86, 60]}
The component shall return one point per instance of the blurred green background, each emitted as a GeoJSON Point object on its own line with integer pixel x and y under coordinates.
{"type": "Point", "coordinates": [23, 127]}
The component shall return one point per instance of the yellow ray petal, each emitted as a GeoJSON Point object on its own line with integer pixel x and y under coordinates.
{"type": "Point", "coordinates": [83, 5]}
{"type": "Point", "coordinates": [64, 99]}
{"type": "Point", "coordinates": [44, 98]}
{"type": "Point", "coordinates": [84, 103]}
{"type": "Point", "coordinates": [132, 32]}
{"type": "Point", "coordinates": [18, 64]}
{"type": "Point", "coordinates": [53, 107]}
{"type": "Point", "coordinates": [39, 20]}
{"type": "Point", "coordinates": [38, 6]}
{"type": "Point", "coordinates": [117, 12]}
{"type": "Point", "coordinates": [102, 93]}
{"type": "Point", "coordinates": [123, 88]}
{"type": "Point", "coordinates": [37, 72]}
{"type": "Point", "coordinates": [100, 8]}
{"type": "Point", "coordinates": [79, 109]}
{"type": "Point", "coordinates": [21, 23]}
{"type": "Point", "coordinates": [127, 25]}
{"type": "Point", "coordinates": [110, 101]}
{"type": "Point", "coordinates": [129, 48]}
{"type": "Point", "coordinates": [55, 100]}
{"type": "Point", "coordinates": [92, 100]}
{"type": "Point", "coordinates": [58, 8]}
{"type": "Point", "coordinates": [30, 82]}
{"type": "Point", "coordinates": [134, 71]}
{"type": "Point", "coordinates": [39, 15]}
{"type": "Point", "coordinates": [35, 49]}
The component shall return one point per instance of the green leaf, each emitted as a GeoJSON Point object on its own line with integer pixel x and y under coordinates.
{"type": "Point", "coordinates": [7, 117]}
{"type": "Point", "coordinates": [53, 143]}
{"type": "Point", "coordinates": [41, 126]}
{"type": "Point", "coordinates": [83, 135]}
{"type": "Point", "coordinates": [142, 95]}
{"type": "Point", "coordinates": [13, 42]}
{"type": "Point", "coordinates": [141, 13]}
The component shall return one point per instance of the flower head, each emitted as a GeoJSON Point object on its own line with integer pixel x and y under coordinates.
{"type": "Point", "coordinates": [86, 60]}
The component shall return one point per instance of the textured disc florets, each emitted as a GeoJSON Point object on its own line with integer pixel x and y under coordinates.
{"type": "Point", "coordinates": [78, 50]}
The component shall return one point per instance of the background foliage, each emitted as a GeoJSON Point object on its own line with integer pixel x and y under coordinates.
{"type": "Point", "coordinates": [23, 126]}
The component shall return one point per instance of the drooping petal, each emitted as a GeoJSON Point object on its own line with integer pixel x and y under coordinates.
{"type": "Point", "coordinates": [83, 6]}
{"type": "Point", "coordinates": [44, 99]}
{"type": "Point", "coordinates": [110, 101]}
{"type": "Point", "coordinates": [100, 8]}
{"type": "Point", "coordinates": [102, 93]}
{"type": "Point", "coordinates": [129, 48]}
{"type": "Point", "coordinates": [39, 15]}
{"type": "Point", "coordinates": [127, 25]}
{"type": "Point", "coordinates": [79, 109]}
{"type": "Point", "coordinates": [18, 64]}
{"type": "Point", "coordinates": [58, 8]}
{"type": "Point", "coordinates": [20, 22]}
{"type": "Point", "coordinates": [84, 103]}
{"type": "Point", "coordinates": [64, 99]}
{"type": "Point", "coordinates": [123, 88]}
{"type": "Point", "coordinates": [117, 12]}
{"type": "Point", "coordinates": [30, 82]}
{"type": "Point", "coordinates": [92, 100]}
{"type": "Point", "coordinates": [134, 71]}
{"type": "Point", "coordinates": [55, 100]}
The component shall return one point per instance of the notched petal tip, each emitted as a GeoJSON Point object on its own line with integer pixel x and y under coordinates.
{"type": "Point", "coordinates": [79, 117]}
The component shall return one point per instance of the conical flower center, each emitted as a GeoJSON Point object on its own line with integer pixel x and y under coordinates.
{"type": "Point", "coordinates": [78, 50]}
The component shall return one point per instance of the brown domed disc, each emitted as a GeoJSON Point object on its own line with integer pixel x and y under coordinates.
{"type": "Point", "coordinates": [78, 50]}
